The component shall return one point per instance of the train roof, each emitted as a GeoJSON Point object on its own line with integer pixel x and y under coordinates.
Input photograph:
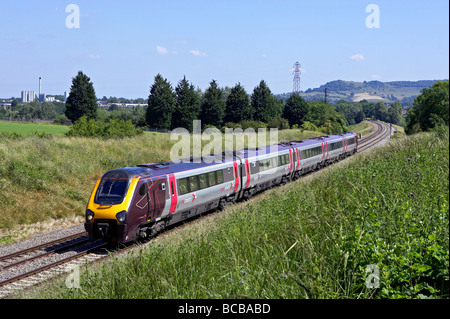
{"type": "Point", "coordinates": [157, 169]}
{"type": "Point", "coordinates": [320, 139]}
{"type": "Point", "coordinates": [185, 164]}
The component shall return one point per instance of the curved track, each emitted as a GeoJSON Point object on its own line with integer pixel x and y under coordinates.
{"type": "Point", "coordinates": [381, 133]}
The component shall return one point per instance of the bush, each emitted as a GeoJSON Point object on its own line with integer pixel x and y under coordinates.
{"type": "Point", "coordinates": [279, 123]}
{"type": "Point", "coordinates": [308, 126]}
{"type": "Point", "coordinates": [253, 124]}
{"type": "Point", "coordinates": [112, 129]}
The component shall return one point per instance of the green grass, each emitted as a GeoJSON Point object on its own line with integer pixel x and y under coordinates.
{"type": "Point", "coordinates": [25, 129]}
{"type": "Point", "coordinates": [314, 238]}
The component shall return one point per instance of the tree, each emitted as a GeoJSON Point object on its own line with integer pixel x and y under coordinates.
{"type": "Point", "coordinates": [81, 100]}
{"type": "Point", "coordinates": [395, 113]}
{"type": "Point", "coordinates": [325, 117]}
{"type": "Point", "coordinates": [430, 109]}
{"type": "Point", "coordinates": [295, 109]}
{"type": "Point", "coordinates": [238, 106]}
{"type": "Point", "coordinates": [264, 104]}
{"type": "Point", "coordinates": [368, 108]}
{"type": "Point", "coordinates": [213, 106]}
{"type": "Point", "coordinates": [187, 108]}
{"type": "Point", "coordinates": [161, 104]}
{"type": "Point", "coordinates": [381, 111]}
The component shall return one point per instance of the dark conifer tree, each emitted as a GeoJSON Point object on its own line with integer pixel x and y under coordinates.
{"type": "Point", "coordinates": [238, 107]}
{"type": "Point", "coordinates": [213, 106]}
{"type": "Point", "coordinates": [81, 100]}
{"type": "Point", "coordinates": [265, 106]}
{"type": "Point", "coordinates": [187, 107]}
{"type": "Point", "coordinates": [161, 104]}
{"type": "Point", "coordinates": [295, 110]}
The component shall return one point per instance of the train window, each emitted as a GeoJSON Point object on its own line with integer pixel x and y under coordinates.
{"type": "Point", "coordinates": [219, 177]}
{"type": "Point", "coordinates": [312, 152]}
{"type": "Point", "coordinates": [183, 186]}
{"type": "Point", "coordinates": [317, 151]}
{"type": "Point", "coordinates": [264, 165]}
{"type": "Point", "coordinates": [142, 190]}
{"type": "Point", "coordinates": [172, 187]}
{"type": "Point", "coordinates": [273, 162]}
{"type": "Point", "coordinates": [335, 146]}
{"type": "Point", "coordinates": [203, 181]}
{"type": "Point", "coordinates": [193, 183]}
{"type": "Point", "coordinates": [212, 178]}
{"type": "Point", "coordinates": [283, 160]}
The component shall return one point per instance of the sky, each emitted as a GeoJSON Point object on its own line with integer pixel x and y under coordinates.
{"type": "Point", "coordinates": [123, 45]}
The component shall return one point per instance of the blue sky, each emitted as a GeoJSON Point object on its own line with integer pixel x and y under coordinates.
{"type": "Point", "coordinates": [122, 45]}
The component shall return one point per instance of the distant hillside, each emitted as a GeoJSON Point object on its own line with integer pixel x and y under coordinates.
{"type": "Point", "coordinates": [402, 91]}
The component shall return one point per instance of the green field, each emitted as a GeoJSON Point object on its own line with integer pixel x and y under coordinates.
{"type": "Point", "coordinates": [319, 237]}
{"type": "Point", "coordinates": [32, 128]}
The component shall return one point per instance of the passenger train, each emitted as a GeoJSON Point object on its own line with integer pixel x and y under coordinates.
{"type": "Point", "coordinates": [138, 202]}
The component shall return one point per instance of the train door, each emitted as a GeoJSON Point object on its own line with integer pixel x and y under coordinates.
{"type": "Point", "coordinates": [157, 197]}
{"type": "Point", "coordinates": [140, 206]}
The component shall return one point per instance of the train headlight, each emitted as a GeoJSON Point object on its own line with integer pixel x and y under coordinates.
{"type": "Point", "coordinates": [122, 216]}
{"type": "Point", "coordinates": [89, 215]}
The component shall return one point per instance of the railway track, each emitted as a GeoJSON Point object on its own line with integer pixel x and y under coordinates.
{"type": "Point", "coordinates": [29, 267]}
{"type": "Point", "coordinates": [382, 131]}
{"type": "Point", "coordinates": [26, 268]}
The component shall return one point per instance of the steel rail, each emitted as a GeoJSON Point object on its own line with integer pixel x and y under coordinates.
{"type": "Point", "coordinates": [51, 265]}
{"type": "Point", "coordinates": [44, 245]}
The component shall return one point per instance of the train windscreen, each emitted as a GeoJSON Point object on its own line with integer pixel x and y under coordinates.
{"type": "Point", "coordinates": [112, 188]}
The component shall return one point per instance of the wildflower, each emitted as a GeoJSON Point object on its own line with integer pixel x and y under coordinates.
{"type": "Point", "coordinates": [373, 176]}
{"type": "Point", "coordinates": [411, 194]}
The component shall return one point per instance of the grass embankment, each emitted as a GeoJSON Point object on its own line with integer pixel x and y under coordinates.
{"type": "Point", "coordinates": [49, 177]}
{"type": "Point", "coordinates": [315, 238]}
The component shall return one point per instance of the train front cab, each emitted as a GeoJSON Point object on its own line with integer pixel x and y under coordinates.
{"type": "Point", "coordinates": [107, 211]}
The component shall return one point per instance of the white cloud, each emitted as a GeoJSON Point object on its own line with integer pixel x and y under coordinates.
{"type": "Point", "coordinates": [376, 77]}
{"type": "Point", "coordinates": [198, 53]}
{"type": "Point", "coordinates": [357, 57]}
{"type": "Point", "coordinates": [94, 56]}
{"type": "Point", "coordinates": [264, 55]}
{"type": "Point", "coordinates": [161, 50]}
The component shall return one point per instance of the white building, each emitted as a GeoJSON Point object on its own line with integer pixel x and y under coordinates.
{"type": "Point", "coordinates": [28, 96]}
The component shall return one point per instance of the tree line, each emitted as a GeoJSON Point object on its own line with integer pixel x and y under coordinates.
{"type": "Point", "coordinates": [171, 107]}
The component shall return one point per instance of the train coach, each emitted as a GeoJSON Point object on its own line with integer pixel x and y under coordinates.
{"type": "Point", "coordinates": [138, 202]}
